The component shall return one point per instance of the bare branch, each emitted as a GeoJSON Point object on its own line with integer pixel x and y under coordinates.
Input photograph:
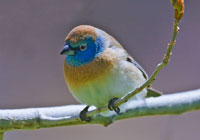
{"type": "Point", "coordinates": [35, 118]}
{"type": "Point", "coordinates": [178, 6]}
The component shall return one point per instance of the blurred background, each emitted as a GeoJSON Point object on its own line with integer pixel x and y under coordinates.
{"type": "Point", "coordinates": [31, 70]}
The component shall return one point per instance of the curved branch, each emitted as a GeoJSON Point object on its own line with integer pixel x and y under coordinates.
{"type": "Point", "coordinates": [35, 118]}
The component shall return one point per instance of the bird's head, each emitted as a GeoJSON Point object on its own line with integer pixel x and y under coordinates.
{"type": "Point", "coordinates": [83, 44]}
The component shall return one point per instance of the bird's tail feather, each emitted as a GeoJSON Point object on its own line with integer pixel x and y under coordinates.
{"type": "Point", "coordinates": [153, 93]}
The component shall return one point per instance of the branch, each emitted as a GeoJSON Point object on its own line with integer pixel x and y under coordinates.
{"type": "Point", "coordinates": [35, 118]}
{"type": "Point", "coordinates": [178, 6]}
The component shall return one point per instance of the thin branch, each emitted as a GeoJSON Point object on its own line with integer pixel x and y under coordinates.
{"type": "Point", "coordinates": [178, 6]}
{"type": "Point", "coordinates": [35, 118]}
{"type": "Point", "coordinates": [157, 70]}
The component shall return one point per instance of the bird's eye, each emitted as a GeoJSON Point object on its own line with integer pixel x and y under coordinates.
{"type": "Point", "coordinates": [83, 47]}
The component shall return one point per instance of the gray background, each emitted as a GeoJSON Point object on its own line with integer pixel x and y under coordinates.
{"type": "Point", "coordinates": [31, 70]}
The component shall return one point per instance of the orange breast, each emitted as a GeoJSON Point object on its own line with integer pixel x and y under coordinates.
{"type": "Point", "coordinates": [99, 67]}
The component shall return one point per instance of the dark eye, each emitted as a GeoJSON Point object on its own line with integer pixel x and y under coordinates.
{"type": "Point", "coordinates": [83, 47]}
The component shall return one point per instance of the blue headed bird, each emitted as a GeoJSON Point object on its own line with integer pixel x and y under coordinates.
{"type": "Point", "coordinates": [98, 69]}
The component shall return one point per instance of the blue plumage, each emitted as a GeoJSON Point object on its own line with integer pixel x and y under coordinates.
{"type": "Point", "coordinates": [81, 57]}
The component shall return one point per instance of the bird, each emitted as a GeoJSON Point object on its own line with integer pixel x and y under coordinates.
{"type": "Point", "coordinates": [98, 70]}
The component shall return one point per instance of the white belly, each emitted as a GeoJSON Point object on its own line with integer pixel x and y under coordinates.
{"type": "Point", "coordinates": [124, 78]}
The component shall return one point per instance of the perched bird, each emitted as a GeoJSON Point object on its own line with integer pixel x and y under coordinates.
{"type": "Point", "coordinates": [98, 69]}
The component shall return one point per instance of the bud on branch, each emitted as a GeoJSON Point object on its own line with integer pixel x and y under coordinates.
{"type": "Point", "coordinates": [178, 6]}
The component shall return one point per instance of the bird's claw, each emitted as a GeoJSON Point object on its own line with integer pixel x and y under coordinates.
{"type": "Point", "coordinates": [83, 115]}
{"type": "Point", "coordinates": [111, 106]}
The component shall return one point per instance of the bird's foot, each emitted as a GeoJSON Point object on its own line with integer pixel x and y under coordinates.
{"type": "Point", "coordinates": [111, 106]}
{"type": "Point", "coordinates": [83, 114]}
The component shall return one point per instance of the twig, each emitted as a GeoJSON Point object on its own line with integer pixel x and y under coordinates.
{"type": "Point", "coordinates": [178, 6]}
{"type": "Point", "coordinates": [157, 70]}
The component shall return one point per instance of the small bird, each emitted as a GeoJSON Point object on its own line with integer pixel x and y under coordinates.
{"type": "Point", "coordinates": [98, 70]}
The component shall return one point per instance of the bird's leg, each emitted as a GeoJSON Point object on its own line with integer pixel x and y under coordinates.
{"type": "Point", "coordinates": [83, 114]}
{"type": "Point", "coordinates": [111, 106]}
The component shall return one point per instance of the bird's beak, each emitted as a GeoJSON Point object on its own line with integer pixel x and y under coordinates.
{"type": "Point", "coordinates": [67, 51]}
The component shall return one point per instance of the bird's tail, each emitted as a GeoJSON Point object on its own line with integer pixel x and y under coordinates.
{"type": "Point", "coordinates": [153, 93]}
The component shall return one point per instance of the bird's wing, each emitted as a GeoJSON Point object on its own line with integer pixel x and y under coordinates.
{"type": "Point", "coordinates": [124, 55]}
